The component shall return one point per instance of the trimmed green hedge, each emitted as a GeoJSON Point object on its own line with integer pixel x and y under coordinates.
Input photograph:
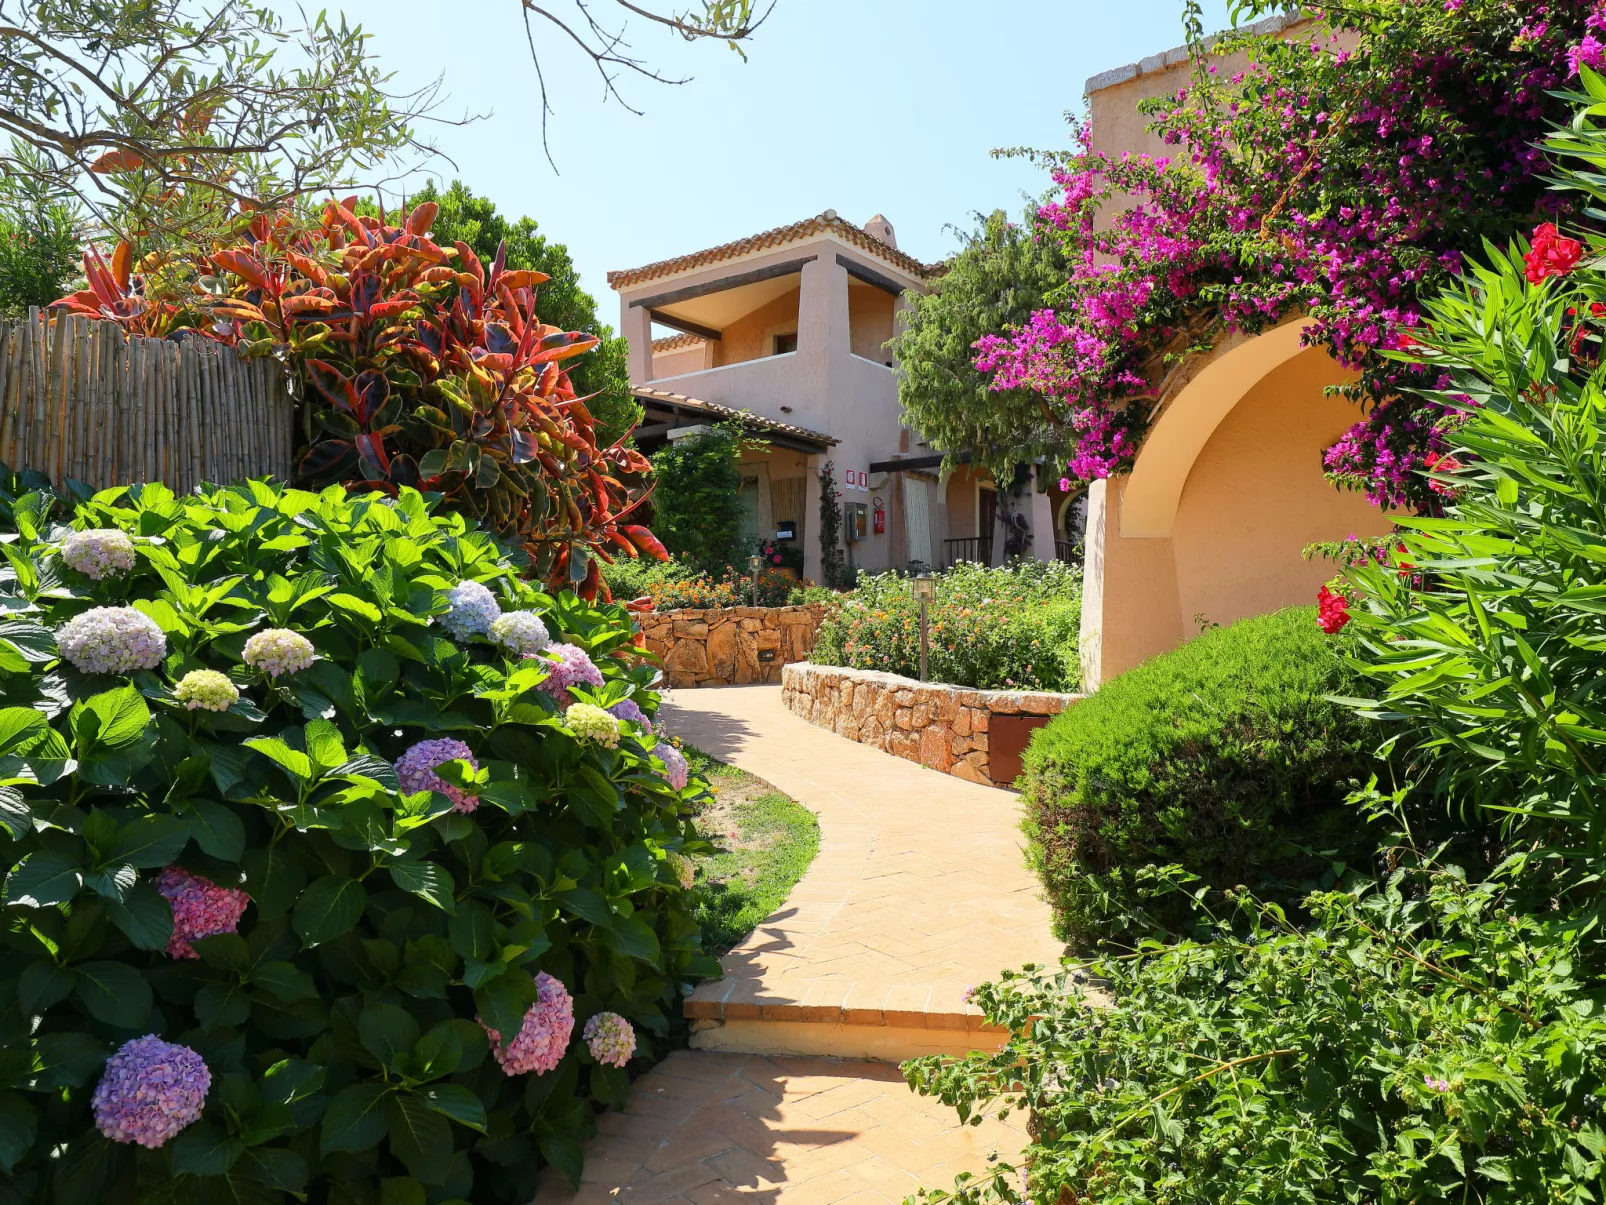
{"type": "Point", "coordinates": [1223, 756]}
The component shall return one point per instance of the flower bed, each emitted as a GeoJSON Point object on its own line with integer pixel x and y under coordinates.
{"type": "Point", "coordinates": [338, 855]}
{"type": "Point", "coordinates": [1011, 628]}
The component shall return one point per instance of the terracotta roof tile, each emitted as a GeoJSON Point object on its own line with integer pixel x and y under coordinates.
{"type": "Point", "coordinates": [826, 222]}
{"type": "Point", "coordinates": [745, 417]}
{"type": "Point", "coordinates": [677, 342]}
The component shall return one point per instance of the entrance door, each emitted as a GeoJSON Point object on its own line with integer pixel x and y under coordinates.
{"type": "Point", "coordinates": [917, 517]}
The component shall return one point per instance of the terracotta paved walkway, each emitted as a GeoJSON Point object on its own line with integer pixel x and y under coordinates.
{"type": "Point", "coordinates": [919, 890]}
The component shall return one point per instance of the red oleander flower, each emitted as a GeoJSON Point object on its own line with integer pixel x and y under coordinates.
{"type": "Point", "coordinates": [1332, 611]}
{"type": "Point", "coordinates": [1552, 254]}
{"type": "Point", "coordinates": [1441, 462]}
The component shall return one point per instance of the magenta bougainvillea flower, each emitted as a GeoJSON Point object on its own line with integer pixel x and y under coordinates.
{"type": "Point", "coordinates": [149, 1091]}
{"type": "Point", "coordinates": [416, 771]}
{"type": "Point", "coordinates": [610, 1038]}
{"type": "Point", "coordinates": [200, 908]}
{"type": "Point", "coordinates": [543, 1037]}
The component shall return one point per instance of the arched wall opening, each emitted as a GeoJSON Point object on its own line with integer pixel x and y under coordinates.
{"type": "Point", "coordinates": [1228, 490]}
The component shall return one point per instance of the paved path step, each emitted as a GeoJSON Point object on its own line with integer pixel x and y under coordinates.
{"type": "Point", "coordinates": [919, 891]}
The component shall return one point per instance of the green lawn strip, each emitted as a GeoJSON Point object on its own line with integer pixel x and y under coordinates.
{"type": "Point", "coordinates": [763, 841]}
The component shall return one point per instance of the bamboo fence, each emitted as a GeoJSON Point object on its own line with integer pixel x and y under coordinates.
{"type": "Point", "coordinates": [80, 401]}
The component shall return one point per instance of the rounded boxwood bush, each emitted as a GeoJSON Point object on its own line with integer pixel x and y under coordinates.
{"type": "Point", "coordinates": [324, 848]}
{"type": "Point", "coordinates": [1224, 756]}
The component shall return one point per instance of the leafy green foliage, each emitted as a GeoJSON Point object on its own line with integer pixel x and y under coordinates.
{"type": "Point", "coordinates": [1014, 627]}
{"type": "Point", "coordinates": [603, 376]}
{"type": "Point", "coordinates": [833, 560]}
{"type": "Point", "coordinates": [1268, 1066]}
{"type": "Point", "coordinates": [39, 243]}
{"type": "Point", "coordinates": [1224, 756]}
{"type": "Point", "coordinates": [339, 1022]}
{"type": "Point", "coordinates": [1001, 276]}
{"type": "Point", "coordinates": [697, 505]}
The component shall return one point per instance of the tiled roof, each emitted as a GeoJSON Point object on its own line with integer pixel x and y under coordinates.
{"type": "Point", "coordinates": [677, 342]}
{"type": "Point", "coordinates": [1265, 27]}
{"type": "Point", "coordinates": [827, 222]}
{"type": "Point", "coordinates": [745, 417]}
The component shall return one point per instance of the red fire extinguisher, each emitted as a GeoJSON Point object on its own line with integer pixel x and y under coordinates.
{"type": "Point", "coordinates": [880, 517]}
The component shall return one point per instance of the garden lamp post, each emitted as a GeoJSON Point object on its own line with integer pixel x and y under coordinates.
{"type": "Point", "coordinates": [755, 563]}
{"type": "Point", "coordinates": [925, 589]}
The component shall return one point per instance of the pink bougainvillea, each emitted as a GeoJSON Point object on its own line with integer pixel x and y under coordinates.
{"type": "Point", "coordinates": [1338, 177]}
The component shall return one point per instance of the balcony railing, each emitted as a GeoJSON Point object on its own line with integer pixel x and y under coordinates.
{"type": "Point", "coordinates": [1068, 552]}
{"type": "Point", "coordinates": [969, 548]}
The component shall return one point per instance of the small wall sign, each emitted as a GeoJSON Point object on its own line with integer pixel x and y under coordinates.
{"type": "Point", "coordinates": [856, 479]}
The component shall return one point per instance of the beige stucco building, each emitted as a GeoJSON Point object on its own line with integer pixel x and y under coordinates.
{"type": "Point", "coordinates": [788, 329]}
{"type": "Point", "coordinates": [1227, 490]}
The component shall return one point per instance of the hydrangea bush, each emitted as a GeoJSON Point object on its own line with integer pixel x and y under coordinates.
{"type": "Point", "coordinates": [310, 889]}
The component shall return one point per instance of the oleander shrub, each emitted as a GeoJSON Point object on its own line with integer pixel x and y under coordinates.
{"type": "Point", "coordinates": [1011, 628]}
{"type": "Point", "coordinates": [1226, 757]}
{"type": "Point", "coordinates": [327, 845]}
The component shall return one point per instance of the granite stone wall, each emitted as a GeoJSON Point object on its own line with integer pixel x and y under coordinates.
{"type": "Point", "coordinates": [730, 646]}
{"type": "Point", "coordinates": [977, 735]}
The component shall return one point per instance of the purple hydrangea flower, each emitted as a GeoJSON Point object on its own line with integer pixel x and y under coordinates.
{"type": "Point", "coordinates": [112, 640]}
{"type": "Point", "coordinates": [99, 553]}
{"type": "Point", "coordinates": [472, 612]}
{"type": "Point", "coordinates": [610, 1038]}
{"type": "Point", "coordinates": [676, 772]}
{"type": "Point", "coordinates": [543, 1037]}
{"type": "Point", "coordinates": [150, 1090]}
{"type": "Point", "coordinates": [416, 770]}
{"type": "Point", "coordinates": [278, 651]}
{"type": "Point", "coordinates": [629, 709]}
{"type": "Point", "coordinates": [572, 668]}
{"type": "Point", "coordinates": [200, 909]}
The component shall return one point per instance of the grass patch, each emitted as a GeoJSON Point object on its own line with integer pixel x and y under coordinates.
{"type": "Point", "coordinates": [763, 842]}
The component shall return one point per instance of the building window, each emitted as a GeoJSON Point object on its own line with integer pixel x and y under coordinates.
{"type": "Point", "coordinates": [785, 343]}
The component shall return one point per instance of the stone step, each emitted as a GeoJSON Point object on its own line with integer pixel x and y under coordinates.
{"type": "Point", "coordinates": [842, 1018]}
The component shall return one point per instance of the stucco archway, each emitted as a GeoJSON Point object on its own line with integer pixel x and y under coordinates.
{"type": "Point", "coordinates": [1154, 488]}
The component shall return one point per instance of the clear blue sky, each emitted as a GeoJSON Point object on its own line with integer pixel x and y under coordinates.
{"type": "Point", "coordinates": [862, 106]}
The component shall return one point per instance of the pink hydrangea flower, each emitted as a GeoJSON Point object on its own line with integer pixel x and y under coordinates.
{"type": "Point", "coordinates": [200, 909]}
{"type": "Point", "coordinates": [112, 640]}
{"type": "Point", "coordinates": [572, 668]}
{"type": "Point", "coordinates": [543, 1037]}
{"type": "Point", "coordinates": [416, 770]}
{"type": "Point", "coordinates": [150, 1090]}
{"type": "Point", "coordinates": [610, 1038]}
{"type": "Point", "coordinates": [676, 772]}
{"type": "Point", "coordinates": [99, 552]}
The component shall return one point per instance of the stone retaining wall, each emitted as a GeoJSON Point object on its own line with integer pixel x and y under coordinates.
{"type": "Point", "coordinates": [730, 646]}
{"type": "Point", "coordinates": [977, 735]}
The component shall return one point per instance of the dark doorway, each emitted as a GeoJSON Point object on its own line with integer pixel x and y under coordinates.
{"type": "Point", "coordinates": [988, 520]}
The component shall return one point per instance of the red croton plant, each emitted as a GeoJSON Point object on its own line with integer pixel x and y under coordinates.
{"type": "Point", "coordinates": [418, 365]}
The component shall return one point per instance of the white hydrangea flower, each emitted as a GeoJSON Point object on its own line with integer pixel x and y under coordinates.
{"type": "Point", "coordinates": [278, 651]}
{"type": "Point", "coordinates": [99, 552]}
{"type": "Point", "coordinates": [112, 640]}
{"type": "Point", "coordinates": [473, 610]}
{"type": "Point", "coordinates": [520, 632]}
{"type": "Point", "coordinates": [591, 723]}
{"type": "Point", "coordinates": [207, 690]}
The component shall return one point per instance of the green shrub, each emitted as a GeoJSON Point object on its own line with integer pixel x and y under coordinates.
{"type": "Point", "coordinates": [339, 1015]}
{"type": "Point", "coordinates": [1224, 756]}
{"type": "Point", "coordinates": [1011, 628]}
{"type": "Point", "coordinates": [697, 505]}
{"type": "Point", "coordinates": [635, 577]}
